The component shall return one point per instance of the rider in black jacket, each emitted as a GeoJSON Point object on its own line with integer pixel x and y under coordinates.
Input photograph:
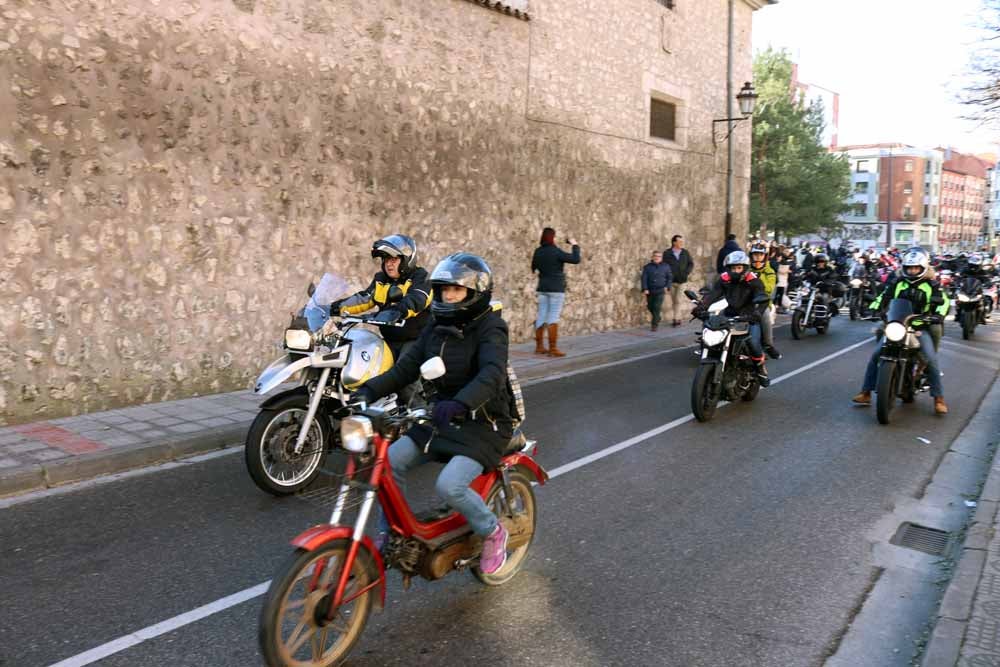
{"type": "Point", "coordinates": [471, 337]}
{"type": "Point", "coordinates": [824, 278]}
{"type": "Point", "coordinates": [739, 287]}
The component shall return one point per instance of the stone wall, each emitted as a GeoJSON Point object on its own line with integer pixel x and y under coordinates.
{"type": "Point", "coordinates": [173, 173]}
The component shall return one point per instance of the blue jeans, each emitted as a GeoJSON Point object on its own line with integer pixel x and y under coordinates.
{"type": "Point", "coordinates": [926, 350]}
{"type": "Point", "coordinates": [452, 484]}
{"type": "Point", "coordinates": [550, 305]}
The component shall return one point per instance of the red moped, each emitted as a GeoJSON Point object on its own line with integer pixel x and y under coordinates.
{"type": "Point", "coordinates": [318, 603]}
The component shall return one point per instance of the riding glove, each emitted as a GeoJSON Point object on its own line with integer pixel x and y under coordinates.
{"type": "Point", "coordinates": [445, 411]}
{"type": "Point", "coordinates": [389, 316]}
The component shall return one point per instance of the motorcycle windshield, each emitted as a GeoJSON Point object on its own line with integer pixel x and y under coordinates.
{"type": "Point", "coordinates": [331, 287]}
{"type": "Point", "coordinates": [971, 285]}
{"type": "Point", "coordinates": [899, 310]}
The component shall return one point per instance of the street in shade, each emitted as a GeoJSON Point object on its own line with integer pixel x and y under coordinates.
{"type": "Point", "coordinates": [752, 539]}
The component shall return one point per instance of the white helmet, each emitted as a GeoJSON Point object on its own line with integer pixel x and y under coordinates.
{"type": "Point", "coordinates": [915, 263]}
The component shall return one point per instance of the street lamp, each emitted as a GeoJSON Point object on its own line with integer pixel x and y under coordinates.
{"type": "Point", "coordinates": [747, 97]}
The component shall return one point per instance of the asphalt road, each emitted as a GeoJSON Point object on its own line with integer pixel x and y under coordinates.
{"type": "Point", "coordinates": [743, 541]}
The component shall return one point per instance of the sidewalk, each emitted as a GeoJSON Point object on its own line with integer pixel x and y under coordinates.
{"type": "Point", "coordinates": [967, 631]}
{"type": "Point", "coordinates": [50, 453]}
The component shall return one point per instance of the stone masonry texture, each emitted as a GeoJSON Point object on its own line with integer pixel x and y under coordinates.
{"type": "Point", "coordinates": [173, 173]}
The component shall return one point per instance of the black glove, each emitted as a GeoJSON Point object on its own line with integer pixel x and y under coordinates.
{"type": "Point", "coordinates": [365, 394]}
{"type": "Point", "coordinates": [335, 307]}
{"type": "Point", "coordinates": [698, 312]}
{"type": "Point", "coordinates": [388, 316]}
{"type": "Point", "coordinates": [445, 411]}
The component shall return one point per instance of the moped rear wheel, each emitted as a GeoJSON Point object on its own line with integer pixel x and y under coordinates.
{"type": "Point", "coordinates": [293, 630]}
{"type": "Point", "coordinates": [524, 508]}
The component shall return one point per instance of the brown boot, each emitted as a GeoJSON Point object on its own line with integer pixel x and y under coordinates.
{"type": "Point", "coordinates": [940, 407]}
{"type": "Point", "coordinates": [554, 350]}
{"type": "Point", "coordinates": [540, 340]}
{"type": "Point", "coordinates": [863, 398]}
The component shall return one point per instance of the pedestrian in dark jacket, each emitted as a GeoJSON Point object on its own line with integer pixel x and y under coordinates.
{"type": "Point", "coordinates": [656, 280]}
{"type": "Point", "coordinates": [548, 261]}
{"type": "Point", "coordinates": [472, 340]}
{"type": "Point", "coordinates": [730, 246]}
{"type": "Point", "coordinates": [681, 265]}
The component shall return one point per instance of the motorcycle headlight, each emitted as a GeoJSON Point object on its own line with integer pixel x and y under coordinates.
{"type": "Point", "coordinates": [712, 337]}
{"type": "Point", "coordinates": [856, 282]}
{"type": "Point", "coordinates": [895, 331]}
{"type": "Point", "coordinates": [355, 433]}
{"type": "Point", "coordinates": [963, 297]}
{"type": "Point", "coordinates": [298, 339]}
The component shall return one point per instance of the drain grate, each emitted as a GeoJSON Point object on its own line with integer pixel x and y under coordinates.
{"type": "Point", "coordinates": [921, 538]}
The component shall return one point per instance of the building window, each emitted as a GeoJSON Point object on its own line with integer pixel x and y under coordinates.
{"type": "Point", "coordinates": [925, 236]}
{"type": "Point", "coordinates": [907, 212]}
{"type": "Point", "coordinates": [662, 119]}
{"type": "Point", "coordinates": [927, 210]}
{"type": "Point", "coordinates": [933, 211]}
{"type": "Point", "coordinates": [927, 167]}
{"type": "Point", "coordinates": [908, 165]}
{"type": "Point", "coordinates": [859, 210]}
{"type": "Point", "coordinates": [907, 187]}
{"type": "Point", "coordinates": [904, 236]}
{"type": "Point", "coordinates": [861, 187]}
{"type": "Point", "coordinates": [861, 166]}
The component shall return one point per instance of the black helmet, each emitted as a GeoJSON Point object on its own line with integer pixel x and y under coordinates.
{"type": "Point", "coordinates": [821, 257]}
{"type": "Point", "coordinates": [400, 246]}
{"type": "Point", "coordinates": [468, 271]}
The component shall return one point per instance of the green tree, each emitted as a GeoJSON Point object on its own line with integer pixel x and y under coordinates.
{"type": "Point", "coordinates": [796, 186]}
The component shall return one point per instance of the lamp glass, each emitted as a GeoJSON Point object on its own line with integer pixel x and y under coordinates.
{"type": "Point", "coordinates": [747, 98]}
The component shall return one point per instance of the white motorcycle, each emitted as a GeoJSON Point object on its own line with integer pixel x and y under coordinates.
{"type": "Point", "coordinates": [296, 427]}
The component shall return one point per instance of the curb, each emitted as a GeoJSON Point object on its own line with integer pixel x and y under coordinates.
{"type": "Point", "coordinates": [88, 466]}
{"type": "Point", "coordinates": [945, 643]}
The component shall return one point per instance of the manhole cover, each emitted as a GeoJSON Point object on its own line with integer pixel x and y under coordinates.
{"type": "Point", "coordinates": [921, 538]}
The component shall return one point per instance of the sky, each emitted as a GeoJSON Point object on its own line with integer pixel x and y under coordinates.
{"type": "Point", "coordinates": [897, 64]}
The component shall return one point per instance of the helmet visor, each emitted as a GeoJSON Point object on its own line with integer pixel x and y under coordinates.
{"type": "Point", "coordinates": [449, 272]}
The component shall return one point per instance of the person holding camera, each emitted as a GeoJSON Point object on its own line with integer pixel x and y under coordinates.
{"type": "Point", "coordinates": [548, 261]}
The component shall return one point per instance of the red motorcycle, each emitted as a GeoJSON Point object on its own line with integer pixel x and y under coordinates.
{"type": "Point", "coordinates": [318, 603]}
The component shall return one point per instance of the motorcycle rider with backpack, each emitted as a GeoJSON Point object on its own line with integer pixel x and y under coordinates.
{"type": "Point", "coordinates": [760, 266]}
{"type": "Point", "coordinates": [472, 339]}
{"type": "Point", "coordinates": [738, 285]}
{"type": "Point", "coordinates": [914, 283]}
{"type": "Point", "coordinates": [400, 290]}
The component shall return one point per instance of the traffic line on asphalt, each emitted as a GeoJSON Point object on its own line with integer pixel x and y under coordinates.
{"type": "Point", "coordinates": [189, 617]}
{"type": "Point", "coordinates": [163, 627]}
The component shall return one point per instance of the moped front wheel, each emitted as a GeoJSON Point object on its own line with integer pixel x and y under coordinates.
{"type": "Point", "coordinates": [888, 372]}
{"type": "Point", "coordinates": [703, 400]}
{"type": "Point", "coordinates": [797, 330]}
{"type": "Point", "coordinates": [270, 450]}
{"type": "Point", "coordinates": [525, 516]}
{"type": "Point", "coordinates": [296, 628]}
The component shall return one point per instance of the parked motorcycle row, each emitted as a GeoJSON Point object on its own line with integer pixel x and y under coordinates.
{"type": "Point", "coordinates": [318, 603]}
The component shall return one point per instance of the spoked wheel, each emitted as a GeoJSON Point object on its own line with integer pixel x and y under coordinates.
{"type": "Point", "coordinates": [752, 391]}
{"type": "Point", "coordinates": [703, 400]}
{"type": "Point", "coordinates": [888, 373]}
{"type": "Point", "coordinates": [797, 330]}
{"type": "Point", "coordinates": [294, 630]}
{"type": "Point", "coordinates": [270, 450]}
{"type": "Point", "coordinates": [522, 505]}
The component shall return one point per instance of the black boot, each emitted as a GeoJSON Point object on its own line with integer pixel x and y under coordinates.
{"type": "Point", "coordinates": [762, 379]}
{"type": "Point", "coordinates": [772, 352]}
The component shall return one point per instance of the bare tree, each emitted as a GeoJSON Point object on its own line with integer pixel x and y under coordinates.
{"type": "Point", "coordinates": [983, 90]}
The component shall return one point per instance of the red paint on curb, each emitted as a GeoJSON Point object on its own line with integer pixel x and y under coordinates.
{"type": "Point", "coordinates": [60, 438]}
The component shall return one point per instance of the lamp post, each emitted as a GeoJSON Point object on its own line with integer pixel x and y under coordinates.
{"type": "Point", "coordinates": [747, 98]}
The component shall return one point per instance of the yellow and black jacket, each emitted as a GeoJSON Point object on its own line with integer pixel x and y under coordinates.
{"type": "Point", "coordinates": [409, 294]}
{"type": "Point", "coordinates": [925, 294]}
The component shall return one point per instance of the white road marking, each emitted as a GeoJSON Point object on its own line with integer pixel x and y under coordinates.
{"type": "Point", "coordinates": [130, 640]}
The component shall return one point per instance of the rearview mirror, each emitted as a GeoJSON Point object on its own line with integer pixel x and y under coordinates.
{"type": "Point", "coordinates": [432, 369]}
{"type": "Point", "coordinates": [691, 295]}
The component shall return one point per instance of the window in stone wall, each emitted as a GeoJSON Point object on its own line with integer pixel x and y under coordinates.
{"type": "Point", "coordinates": [662, 119]}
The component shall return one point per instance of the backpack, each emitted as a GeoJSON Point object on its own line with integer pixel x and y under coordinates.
{"type": "Point", "coordinates": [517, 412]}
